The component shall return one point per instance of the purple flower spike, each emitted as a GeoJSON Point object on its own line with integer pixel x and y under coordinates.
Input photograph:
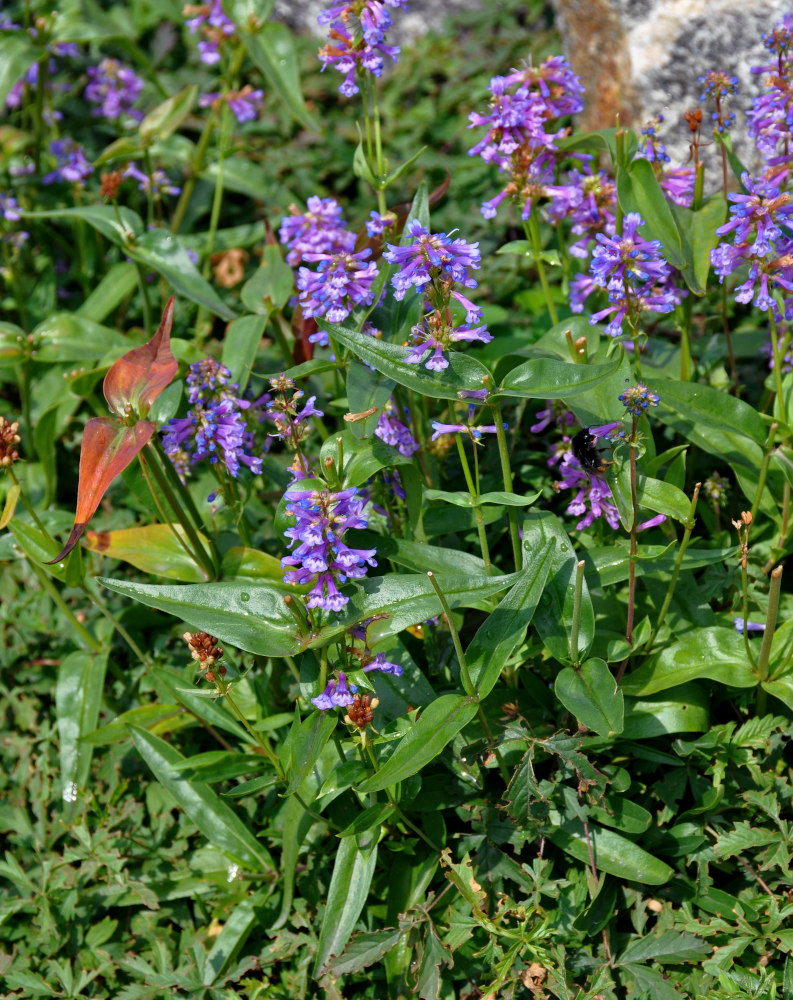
{"type": "Point", "coordinates": [391, 430]}
{"type": "Point", "coordinates": [72, 164]}
{"type": "Point", "coordinates": [357, 39]}
{"type": "Point", "coordinates": [341, 282]}
{"type": "Point", "coordinates": [319, 554]}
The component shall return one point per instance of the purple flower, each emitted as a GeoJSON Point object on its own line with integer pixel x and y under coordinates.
{"type": "Point", "coordinates": [215, 427]}
{"type": "Point", "coordinates": [554, 412]}
{"type": "Point", "coordinates": [337, 694]}
{"type": "Point", "coordinates": [357, 39]}
{"type": "Point", "coordinates": [320, 229]}
{"type": "Point", "coordinates": [377, 223]}
{"type": "Point", "coordinates": [593, 499]}
{"type": "Point", "coordinates": [115, 87]}
{"type": "Point", "coordinates": [214, 26]}
{"type": "Point", "coordinates": [9, 208]}
{"type": "Point", "coordinates": [513, 120]}
{"type": "Point", "coordinates": [740, 626]}
{"type": "Point", "coordinates": [381, 664]}
{"type": "Point", "coordinates": [635, 274]}
{"type": "Point", "coordinates": [557, 84]}
{"type": "Point", "coordinates": [319, 555]}
{"type": "Point", "coordinates": [474, 432]}
{"type": "Point", "coordinates": [72, 164]}
{"type": "Point", "coordinates": [432, 256]}
{"type": "Point", "coordinates": [159, 182]}
{"type": "Point", "coordinates": [284, 409]}
{"type": "Point", "coordinates": [246, 104]}
{"type": "Point", "coordinates": [391, 430]}
{"type": "Point", "coordinates": [341, 282]}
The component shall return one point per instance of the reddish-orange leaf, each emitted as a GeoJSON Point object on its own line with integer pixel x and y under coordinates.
{"type": "Point", "coordinates": [108, 448]}
{"type": "Point", "coordinates": [137, 379]}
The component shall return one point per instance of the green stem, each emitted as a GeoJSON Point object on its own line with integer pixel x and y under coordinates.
{"type": "Point", "coordinates": [472, 489]}
{"type": "Point", "coordinates": [232, 501]}
{"type": "Point", "coordinates": [281, 330]}
{"type": "Point", "coordinates": [576, 622]}
{"type": "Point", "coordinates": [196, 166]}
{"type": "Point", "coordinates": [258, 738]}
{"type": "Point", "coordinates": [532, 230]}
{"type": "Point", "coordinates": [764, 468]}
{"type": "Point", "coordinates": [408, 823]}
{"type": "Point", "coordinates": [39, 112]}
{"type": "Point", "coordinates": [670, 590]}
{"type": "Point", "coordinates": [28, 506]}
{"type": "Point", "coordinates": [144, 294]}
{"type": "Point", "coordinates": [728, 337]}
{"type": "Point", "coordinates": [466, 677]}
{"type": "Point", "coordinates": [506, 474]}
{"type": "Point", "coordinates": [59, 602]}
{"type": "Point", "coordinates": [780, 395]}
{"type": "Point", "coordinates": [685, 340]}
{"type": "Point", "coordinates": [770, 624]}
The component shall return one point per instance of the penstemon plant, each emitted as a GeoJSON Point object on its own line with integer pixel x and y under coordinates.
{"type": "Point", "coordinates": [422, 586]}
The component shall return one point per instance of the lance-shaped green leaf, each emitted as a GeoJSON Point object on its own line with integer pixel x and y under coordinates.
{"type": "Point", "coordinates": [152, 548]}
{"type": "Point", "coordinates": [108, 448]}
{"type": "Point", "coordinates": [217, 822]}
{"type": "Point", "coordinates": [250, 616]}
{"type": "Point", "coordinates": [592, 696]}
{"type": "Point", "coordinates": [17, 55]}
{"type": "Point", "coordinates": [139, 376]}
{"type": "Point", "coordinates": [463, 373]}
{"type": "Point", "coordinates": [435, 728]}
{"type": "Point", "coordinates": [547, 378]}
{"type": "Point", "coordinates": [272, 49]}
{"type": "Point", "coordinates": [610, 851]}
{"type": "Point", "coordinates": [78, 697]}
{"type": "Point", "coordinates": [505, 627]}
{"type": "Point", "coordinates": [166, 118]}
{"type": "Point", "coordinates": [638, 190]}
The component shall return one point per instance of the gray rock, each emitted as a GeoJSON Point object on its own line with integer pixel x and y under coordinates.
{"type": "Point", "coordinates": [643, 57]}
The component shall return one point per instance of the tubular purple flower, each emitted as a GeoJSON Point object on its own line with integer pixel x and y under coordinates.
{"type": "Point", "coordinates": [337, 694]}
{"type": "Point", "coordinates": [72, 164]}
{"type": "Point", "coordinates": [357, 39]}
{"type": "Point", "coordinates": [115, 87]}
{"type": "Point", "coordinates": [341, 282]}
{"type": "Point", "coordinates": [431, 256]}
{"type": "Point", "coordinates": [392, 431]}
{"type": "Point", "coordinates": [381, 664]}
{"type": "Point", "coordinates": [320, 229]}
{"type": "Point", "coordinates": [319, 555]}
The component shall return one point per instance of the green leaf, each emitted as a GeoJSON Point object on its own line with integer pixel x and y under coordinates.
{"type": "Point", "coordinates": [682, 709]}
{"type": "Point", "coordinates": [68, 337]}
{"type": "Point", "coordinates": [405, 600]}
{"type": "Point", "coordinates": [592, 696]}
{"type": "Point", "coordinates": [250, 616]}
{"type": "Point", "coordinates": [153, 717]}
{"type": "Point", "coordinates": [364, 949]}
{"type": "Point", "coordinates": [611, 852]}
{"type": "Point", "coordinates": [547, 378]}
{"type": "Point", "coordinates": [782, 688]}
{"type": "Point", "coordinates": [240, 344]}
{"type": "Point", "coordinates": [419, 557]}
{"type": "Point", "coordinates": [17, 55]}
{"type": "Point", "coordinates": [668, 946]}
{"type": "Point", "coordinates": [271, 285]}
{"type": "Point", "coordinates": [272, 50]}
{"type": "Point", "coordinates": [349, 888]}
{"type": "Point", "coordinates": [699, 229]}
{"type": "Point", "coordinates": [78, 698]}
{"type": "Point", "coordinates": [711, 408]}
{"type": "Point", "coordinates": [360, 165]}
{"type": "Point", "coordinates": [505, 627]}
{"type": "Point", "coordinates": [119, 225]}
{"type": "Point", "coordinates": [233, 936]}
{"type": "Point", "coordinates": [221, 826]}
{"type": "Point", "coordinates": [638, 190]}
{"type": "Point", "coordinates": [603, 140]}
{"type": "Point", "coordinates": [161, 251]}
{"type": "Point", "coordinates": [167, 117]}
{"type": "Point", "coordinates": [651, 494]}
{"type": "Point", "coordinates": [119, 282]}
{"type": "Point", "coordinates": [306, 742]}
{"type": "Point", "coordinates": [366, 389]}
{"type": "Point", "coordinates": [715, 654]}
{"type": "Point", "coordinates": [371, 817]}
{"type": "Point", "coordinates": [463, 373]}
{"type": "Point", "coordinates": [436, 727]}
{"type": "Point", "coordinates": [221, 765]}
{"type": "Point", "coordinates": [553, 616]}
{"type": "Point", "coordinates": [461, 499]}
{"type": "Point", "coordinates": [296, 824]}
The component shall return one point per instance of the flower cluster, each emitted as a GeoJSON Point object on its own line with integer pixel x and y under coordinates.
{"type": "Point", "coordinates": [9, 439]}
{"type": "Point", "coordinates": [433, 263]}
{"type": "Point", "coordinates": [717, 87]}
{"type": "Point", "coordinates": [320, 229]}
{"type": "Point", "coordinates": [320, 557]}
{"type": "Point", "coordinates": [208, 20]}
{"type": "Point", "coordinates": [72, 166]}
{"type": "Point", "coordinates": [245, 104]}
{"type": "Point", "coordinates": [634, 273]}
{"type": "Point", "coordinates": [115, 88]}
{"type": "Point", "coordinates": [159, 182]}
{"type": "Point", "coordinates": [473, 431]}
{"type": "Point", "coordinates": [761, 226]}
{"type": "Point", "coordinates": [216, 425]}
{"type": "Point", "coordinates": [341, 282]}
{"type": "Point", "coordinates": [356, 39]}
{"type": "Point", "coordinates": [518, 140]}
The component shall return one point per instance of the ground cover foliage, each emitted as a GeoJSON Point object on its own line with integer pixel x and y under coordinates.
{"type": "Point", "coordinates": [393, 538]}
